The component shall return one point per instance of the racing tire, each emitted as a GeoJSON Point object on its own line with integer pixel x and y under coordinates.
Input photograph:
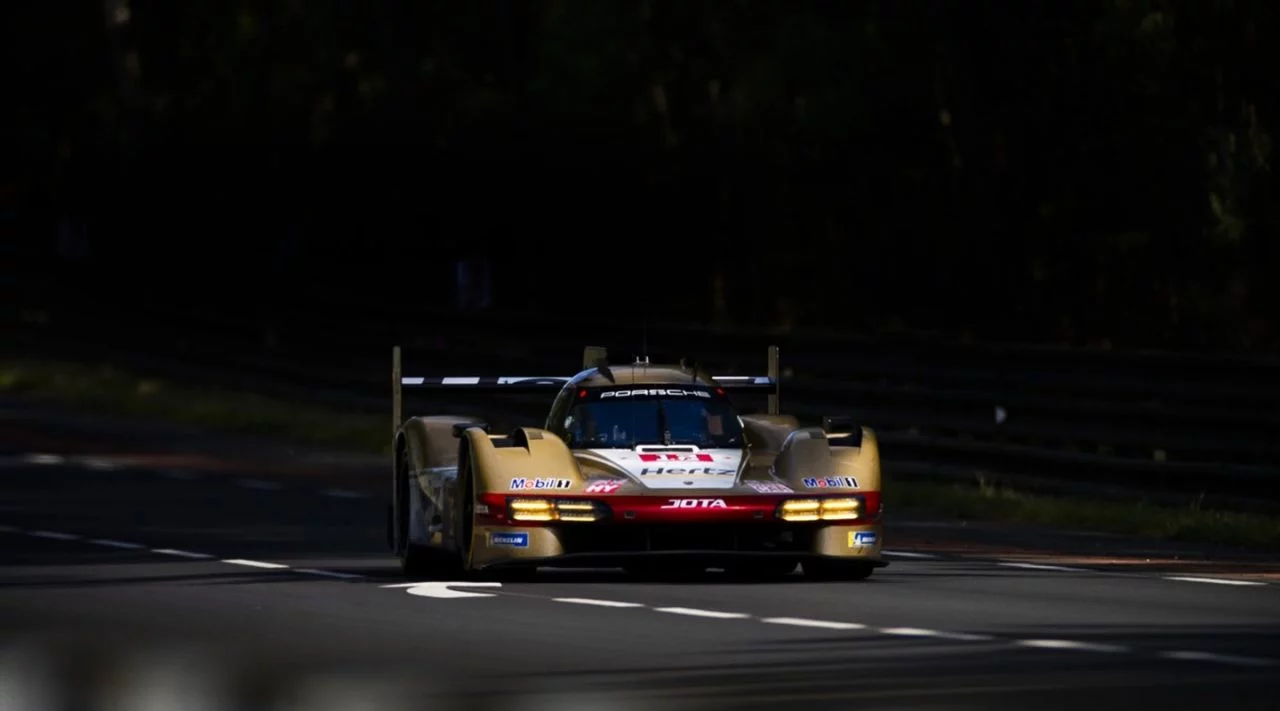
{"type": "Point", "coordinates": [416, 561]}
{"type": "Point", "coordinates": [466, 543]}
{"type": "Point", "coordinates": [842, 570]}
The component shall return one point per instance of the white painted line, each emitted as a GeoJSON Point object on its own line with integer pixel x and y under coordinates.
{"type": "Point", "coordinates": [1215, 581]}
{"type": "Point", "coordinates": [821, 624]}
{"type": "Point", "coordinates": [935, 634]}
{"type": "Point", "coordinates": [99, 464]}
{"type": "Point", "coordinates": [180, 474]}
{"type": "Point", "coordinates": [1039, 566]}
{"type": "Point", "coordinates": [260, 484]}
{"type": "Point", "coordinates": [1220, 658]}
{"type": "Point", "coordinates": [253, 563]}
{"type": "Point", "coordinates": [53, 535]}
{"type": "Point", "coordinates": [908, 554]}
{"type": "Point", "coordinates": [329, 573]}
{"type": "Point", "coordinates": [123, 545]}
{"type": "Point", "coordinates": [344, 494]}
{"type": "Point", "coordinates": [43, 459]}
{"type": "Point", "coordinates": [180, 554]}
{"type": "Point", "coordinates": [443, 590]}
{"type": "Point", "coordinates": [692, 612]}
{"type": "Point", "coordinates": [9, 529]}
{"type": "Point", "coordinates": [1070, 644]}
{"type": "Point", "coordinates": [599, 603]}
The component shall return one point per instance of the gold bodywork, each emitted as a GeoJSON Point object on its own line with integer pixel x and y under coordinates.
{"type": "Point", "coordinates": [448, 467]}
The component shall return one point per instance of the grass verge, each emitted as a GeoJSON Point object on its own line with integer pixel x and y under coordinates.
{"type": "Point", "coordinates": [979, 502]}
{"type": "Point", "coordinates": [110, 390]}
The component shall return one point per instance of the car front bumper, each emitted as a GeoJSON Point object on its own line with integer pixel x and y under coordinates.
{"type": "Point", "coordinates": [612, 543]}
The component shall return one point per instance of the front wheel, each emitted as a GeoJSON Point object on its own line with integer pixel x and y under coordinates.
{"type": "Point", "coordinates": [416, 560]}
{"type": "Point", "coordinates": [827, 569]}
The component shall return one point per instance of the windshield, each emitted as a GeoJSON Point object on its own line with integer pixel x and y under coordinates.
{"type": "Point", "coordinates": [623, 418]}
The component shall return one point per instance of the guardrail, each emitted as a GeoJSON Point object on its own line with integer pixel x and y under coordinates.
{"type": "Point", "coordinates": [1162, 425]}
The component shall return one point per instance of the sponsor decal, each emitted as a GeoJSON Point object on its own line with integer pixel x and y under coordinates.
{"type": "Point", "coordinates": [603, 487]}
{"type": "Point", "coordinates": [861, 538]}
{"type": "Point", "coordinates": [769, 487]}
{"type": "Point", "coordinates": [831, 482]}
{"type": "Point", "coordinates": [660, 392]}
{"type": "Point", "coordinates": [676, 457]}
{"type": "Point", "coordinates": [681, 471]}
{"type": "Point", "coordinates": [540, 483]}
{"type": "Point", "coordinates": [509, 540]}
{"type": "Point", "coordinates": [695, 504]}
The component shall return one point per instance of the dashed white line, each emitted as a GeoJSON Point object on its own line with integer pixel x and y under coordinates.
{"type": "Point", "coordinates": [1215, 581]}
{"type": "Point", "coordinates": [344, 494]}
{"type": "Point", "coordinates": [908, 554]}
{"type": "Point", "coordinates": [99, 464]}
{"type": "Point", "coordinates": [693, 612]}
{"type": "Point", "coordinates": [1041, 566]}
{"type": "Point", "coordinates": [254, 563]}
{"type": "Point", "coordinates": [1056, 644]}
{"type": "Point", "coordinates": [821, 624]}
{"type": "Point", "coordinates": [1189, 656]}
{"type": "Point", "coordinates": [181, 553]}
{"type": "Point", "coordinates": [43, 459]}
{"type": "Point", "coordinates": [935, 634]}
{"type": "Point", "coordinates": [329, 573]}
{"type": "Point", "coordinates": [597, 603]}
{"type": "Point", "coordinates": [1070, 644]}
{"type": "Point", "coordinates": [260, 484]}
{"type": "Point", "coordinates": [123, 545]}
{"type": "Point", "coordinates": [53, 535]}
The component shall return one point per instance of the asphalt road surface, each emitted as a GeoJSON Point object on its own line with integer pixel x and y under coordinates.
{"type": "Point", "coordinates": [129, 570]}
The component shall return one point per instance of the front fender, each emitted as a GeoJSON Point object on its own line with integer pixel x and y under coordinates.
{"type": "Point", "coordinates": [529, 459]}
{"type": "Point", "coordinates": [808, 461]}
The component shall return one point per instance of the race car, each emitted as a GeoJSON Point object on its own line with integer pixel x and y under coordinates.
{"type": "Point", "coordinates": [646, 467]}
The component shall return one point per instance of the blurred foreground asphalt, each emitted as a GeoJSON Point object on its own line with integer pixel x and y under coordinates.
{"type": "Point", "coordinates": [146, 582]}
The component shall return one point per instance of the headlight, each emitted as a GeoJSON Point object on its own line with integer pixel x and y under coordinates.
{"type": "Point", "coordinates": [557, 510]}
{"type": "Point", "coordinates": [820, 509]}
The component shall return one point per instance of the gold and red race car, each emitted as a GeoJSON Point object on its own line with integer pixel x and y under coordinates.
{"type": "Point", "coordinates": [647, 467]}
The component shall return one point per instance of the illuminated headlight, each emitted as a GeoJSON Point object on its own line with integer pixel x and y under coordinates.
{"type": "Point", "coordinates": [819, 509]}
{"type": "Point", "coordinates": [557, 510]}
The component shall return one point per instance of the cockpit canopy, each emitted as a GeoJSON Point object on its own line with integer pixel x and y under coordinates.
{"type": "Point", "coordinates": [624, 417]}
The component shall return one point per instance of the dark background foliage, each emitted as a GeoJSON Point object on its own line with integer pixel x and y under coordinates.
{"type": "Point", "coordinates": [1094, 172]}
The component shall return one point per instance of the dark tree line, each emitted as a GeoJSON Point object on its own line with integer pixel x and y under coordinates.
{"type": "Point", "coordinates": [1078, 172]}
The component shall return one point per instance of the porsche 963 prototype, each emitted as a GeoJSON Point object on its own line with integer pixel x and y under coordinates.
{"type": "Point", "coordinates": [639, 466]}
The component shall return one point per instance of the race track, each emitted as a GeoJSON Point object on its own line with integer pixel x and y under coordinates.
{"type": "Point", "coordinates": [283, 579]}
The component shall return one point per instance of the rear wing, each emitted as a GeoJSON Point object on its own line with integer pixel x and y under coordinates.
{"type": "Point", "coordinates": [593, 356]}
